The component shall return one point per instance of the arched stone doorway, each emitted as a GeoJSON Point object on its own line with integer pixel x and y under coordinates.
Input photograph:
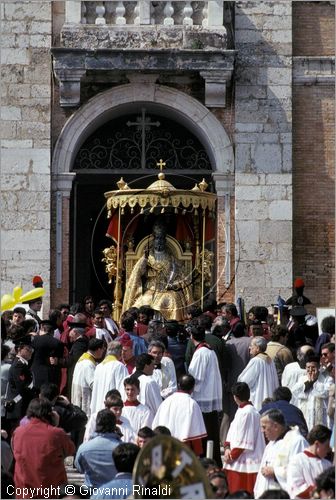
{"type": "Point", "coordinates": [77, 192]}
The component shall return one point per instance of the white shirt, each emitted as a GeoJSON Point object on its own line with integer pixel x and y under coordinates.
{"type": "Point", "coordinates": [82, 382]}
{"type": "Point", "coordinates": [109, 374]}
{"type": "Point", "coordinates": [245, 432]}
{"type": "Point", "coordinates": [303, 470]}
{"type": "Point", "coordinates": [208, 386]}
{"type": "Point", "coordinates": [277, 455]}
{"type": "Point", "coordinates": [314, 402]}
{"type": "Point", "coordinates": [182, 415]}
{"type": "Point", "coordinates": [166, 377]}
{"type": "Point", "coordinates": [138, 416]}
{"type": "Point", "coordinates": [291, 374]}
{"type": "Point", "coordinates": [149, 393]}
{"type": "Point", "coordinates": [103, 333]}
{"type": "Point", "coordinates": [128, 434]}
{"type": "Point", "coordinates": [261, 377]}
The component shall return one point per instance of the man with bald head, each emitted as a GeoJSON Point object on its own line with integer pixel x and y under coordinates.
{"type": "Point", "coordinates": [293, 371]}
{"type": "Point", "coordinates": [260, 373]}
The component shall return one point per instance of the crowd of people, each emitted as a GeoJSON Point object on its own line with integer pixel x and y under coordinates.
{"type": "Point", "coordinates": [260, 389]}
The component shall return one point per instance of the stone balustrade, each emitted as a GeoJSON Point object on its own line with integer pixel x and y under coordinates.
{"type": "Point", "coordinates": [207, 14]}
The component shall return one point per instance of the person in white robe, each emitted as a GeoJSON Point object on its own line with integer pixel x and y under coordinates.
{"type": "Point", "coordinates": [82, 381]}
{"type": "Point", "coordinates": [181, 414]}
{"type": "Point", "coordinates": [106, 308]}
{"type": "Point", "coordinates": [138, 414]}
{"type": "Point", "coordinates": [208, 386]}
{"type": "Point", "coordinates": [311, 394]}
{"type": "Point", "coordinates": [109, 374]}
{"type": "Point", "coordinates": [283, 444]}
{"type": "Point", "coordinates": [260, 373]}
{"type": "Point", "coordinates": [149, 395]}
{"type": "Point", "coordinates": [294, 371]}
{"type": "Point", "coordinates": [164, 370]}
{"type": "Point", "coordinates": [245, 444]}
{"type": "Point", "coordinates": [98, 330]}
{"type": "Point", "coordinates": [304, 467]}
{"type": "Point", "coordinates": [115, 405]}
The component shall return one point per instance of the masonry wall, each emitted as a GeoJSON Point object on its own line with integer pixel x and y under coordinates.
{"type": "Point", "coordinates": [314, 157]}
{"type": "Point", "coordinates": [25, 145]}
{"type": "Point", "coordinates": [263, 150]}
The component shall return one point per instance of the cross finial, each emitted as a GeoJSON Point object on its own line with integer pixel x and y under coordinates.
{"type": "Point", "coordinates": [161, 164]}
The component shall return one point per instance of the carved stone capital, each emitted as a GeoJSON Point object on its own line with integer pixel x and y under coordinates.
{"type": "Point", "coordinates": [63, 182]}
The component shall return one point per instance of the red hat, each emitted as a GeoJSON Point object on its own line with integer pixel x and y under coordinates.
{"type": "Point", "coordinates": [37, 279]}
{"type": "Point", "coordinates": [299, 283]}
{"type": "Point", "coordinates": [125, 340]}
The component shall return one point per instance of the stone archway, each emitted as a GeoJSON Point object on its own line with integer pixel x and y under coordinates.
{"type": "Point", "coordinates": [111, 104]}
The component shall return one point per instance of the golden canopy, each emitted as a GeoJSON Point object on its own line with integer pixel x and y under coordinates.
{"type": "Point", "coordinates": [160, 193]}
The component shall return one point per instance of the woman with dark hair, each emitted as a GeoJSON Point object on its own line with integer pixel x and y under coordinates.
{"type": "Point", "coordinates": [39, 449]}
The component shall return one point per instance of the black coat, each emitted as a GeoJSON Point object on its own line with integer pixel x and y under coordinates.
{"type": "Point", "coordinates": [78, 348]}
{"type": "Point", "coordinates": [46, 346]}
{"type": "Point", "coordinates": [19, 379]}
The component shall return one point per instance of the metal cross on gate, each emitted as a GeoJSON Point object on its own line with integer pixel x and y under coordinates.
{"type": "Point", "coordinates": [143, 125]}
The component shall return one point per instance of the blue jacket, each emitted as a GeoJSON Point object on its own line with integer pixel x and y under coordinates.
{"type": "Point", "coordinates": [120, 487]}
{"type": "Point", "coordinates": [94, 459]}
{"type": "Point", "coordinates": [293, 415]}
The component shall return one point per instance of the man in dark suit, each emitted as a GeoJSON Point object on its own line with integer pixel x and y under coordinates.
{"type": "Point", "coordinates": [20, 382]}
{"type": "Point", "coordinates": [46, 346]}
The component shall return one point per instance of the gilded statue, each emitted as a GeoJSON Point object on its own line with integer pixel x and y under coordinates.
{"type": "Point", "coordinates": [158, 280]}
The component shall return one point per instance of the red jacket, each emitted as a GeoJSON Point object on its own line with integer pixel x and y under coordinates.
{"type": "Point", "coordinates": [39, 450]}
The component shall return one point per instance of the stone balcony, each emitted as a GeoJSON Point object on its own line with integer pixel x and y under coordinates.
{"type": "Point", "coordinates": [119, 38]}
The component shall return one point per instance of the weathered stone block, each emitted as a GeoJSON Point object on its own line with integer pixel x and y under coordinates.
{"type": "Point", "coordinates": [20, 90]}
{"type": "Point", "coordinates": [285, 179]}
{"type": "Point", "coordinates": [250, 251]}
{"type": "Point", "coordinates": [40, 90]}
{"type": "Point", "coordinates": [267, 157]}
{"type": "Point", "coordinates": [248, 193]}
{"type": "Point", "coordinates": [16, 144]}
{"type": "Point", "coordinates": [250, 179]}
{"type": "Point", "coordinates": [40, 40]}
{"type": "Point", "coordinates": [247, 231]}
{"type": "Point", "coordinates": [15, 182]}
{"type": "Point", "coordinates": [10, 113]}
{"type": "Point", "coordinates": [29, 240]}
{"type": "Point", "coordinates": [287, 157]}
{"type": "Point", "coordinates": [280, 210]}
{"type": "Point", "coordinates": [29, 201]}
{"type": "Point", "coordinates": [251, 210]}
{"type": "Point", "coordinates": [276, 232]}
{"type": "Point", "coordinates": [31, 10]}
{"type": "Point", "coordinates": [273, 192]}
{"type": "Point", "coordinates": [243, 157]}
{"type": "Point", "coordinates": [248, 127]}
{"type": "Point", "coordinates": [15, 56]}
{"type": "Point", "coordinates": [274, 76]}
{"type": "Point", "coordinates": [279, 91]}
{"type": "Point", "coordinates": [250, 274]}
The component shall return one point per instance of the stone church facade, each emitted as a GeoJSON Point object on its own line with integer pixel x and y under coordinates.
{"type": "Point", "coordinates": [249, 83]}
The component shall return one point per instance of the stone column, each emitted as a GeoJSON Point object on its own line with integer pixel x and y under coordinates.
{"type": "Point", "coordinates": [60, 237]}
{"type": "Point", "coordinates": [225, 237]}
{"type": "Point", "coordinates": [25, 154]}
{"type": "Point", "coordinates": [263, 36]}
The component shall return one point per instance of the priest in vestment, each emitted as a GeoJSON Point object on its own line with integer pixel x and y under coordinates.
{"type": "Point", "coordinates": [245, 443]}
{"type": "Point", "coordinates": [181, 414]}
{"type": "Point", "coordinates": [304, 467]}
{"type": "Point", "coordinates": [157, 280]}
{"type": "Point", "coordinates": [208, 386]}
{"type": "Point", "coordinates": [283, 444]}
{"type": "Point", "coordinates": [82, 381]}
{"type": "Point", "coordinates": [260, 373]}
{"type": "Point", "coordinates": [311, 394]}
{"type": "Point", "coordinates": [109, 374]}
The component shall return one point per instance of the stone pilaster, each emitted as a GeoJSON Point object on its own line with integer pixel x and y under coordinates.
{"type": "Point", "coordinates": [25, 145]}
{"type": "Point", "coordinates": [263, 140]}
